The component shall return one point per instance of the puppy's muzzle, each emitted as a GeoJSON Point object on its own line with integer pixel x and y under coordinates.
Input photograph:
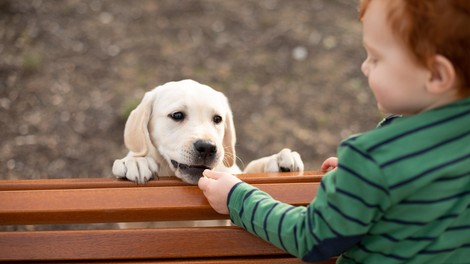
{"type": "Point", "coordinates": [204, 156]}
{"type": "Point", "coordinates": [189, 168]}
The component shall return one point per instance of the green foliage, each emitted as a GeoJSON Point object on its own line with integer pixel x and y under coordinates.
{"type": "Point", "coordinates": [127, 108]}
{"type": "Point", "coordinates": [31, 62]}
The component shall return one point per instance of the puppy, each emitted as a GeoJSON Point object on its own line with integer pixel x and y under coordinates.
{"type": "Point", "coordinates": [182, 128]}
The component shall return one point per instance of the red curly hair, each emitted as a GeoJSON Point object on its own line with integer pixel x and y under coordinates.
{"type": "Point", "coordinates": [431, 27]}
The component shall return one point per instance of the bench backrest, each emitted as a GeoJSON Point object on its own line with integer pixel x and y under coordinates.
{"type": "Point", "coordinates": [106, 200]}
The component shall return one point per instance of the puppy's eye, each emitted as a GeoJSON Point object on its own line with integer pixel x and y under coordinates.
{"type": "Point", "coordinates": [177, 116]}
{"type": "Point", "coordinates": [217, 119]}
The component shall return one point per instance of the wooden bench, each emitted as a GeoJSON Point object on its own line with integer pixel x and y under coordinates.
{"type": "Point", "coordinates": [106, 200]}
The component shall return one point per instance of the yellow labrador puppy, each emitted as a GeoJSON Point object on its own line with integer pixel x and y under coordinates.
{"type": "Point", "coordinates": [182, 128]}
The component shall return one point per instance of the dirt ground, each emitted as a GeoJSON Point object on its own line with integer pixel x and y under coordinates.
{"type": "Point", "coordinates": [70, 71]}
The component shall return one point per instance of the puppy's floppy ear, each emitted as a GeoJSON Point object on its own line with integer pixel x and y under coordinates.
{"type": "Point", "coordinates": [136, 133]}
{"type": "Point", "coordinates": [229, 140]}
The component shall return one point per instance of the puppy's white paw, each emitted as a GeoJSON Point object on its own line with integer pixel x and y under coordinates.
{"type": "Point", "coordinates": [136, 169]}
{"type": "Point", "coordinates": [284, 161]}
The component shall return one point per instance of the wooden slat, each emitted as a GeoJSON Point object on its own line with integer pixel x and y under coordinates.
{"type": "Point", "coordinates": [126, 204]}
{"type": "Point", "coordinates": [137, 244]}
{"type": "Point", "coordinates": [132, 244]}
{"type": "Point", "coordinates": [281, 259]}
{"type": "Point", "coordinates": [182, 245]}
{"type": "Point", "coordinates": [90, 183]}
{"type": "Point", "coordinates": [105, 205]}
{"type": "Point", "coordinates": [157, 245]}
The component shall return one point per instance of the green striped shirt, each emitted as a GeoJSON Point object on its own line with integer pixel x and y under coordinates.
{"type": "Point", "coordinates": [400, 194]}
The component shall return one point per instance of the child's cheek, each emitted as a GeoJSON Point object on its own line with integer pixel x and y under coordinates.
{"type": "Point", "coordinates": [373, 85]}
{"type": "Point", "coordinates": [377, 89]}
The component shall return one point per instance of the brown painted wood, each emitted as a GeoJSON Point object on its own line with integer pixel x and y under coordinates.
{"type": "Point", "coordinates": [127, 204]}
{"type": "Point", "coordinates": [283, 259]}
{"type": "Point", "coordinates": [109, 200]}
{"type": "Point", "coordinates": [176, 243]}
{"type": "Point", "coordinates": [132, 244]}
{"type": "Point", "coordinates": [91, 183]}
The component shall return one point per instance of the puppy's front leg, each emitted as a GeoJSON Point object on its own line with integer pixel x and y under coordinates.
{"type": "Point", "coordinates": [285, 160]}
{"type": "Point", "coordinates": [136, 169]}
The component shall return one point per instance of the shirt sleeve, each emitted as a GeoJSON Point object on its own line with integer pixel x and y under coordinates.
{"type": "Point", "coordinates": [347, 204]}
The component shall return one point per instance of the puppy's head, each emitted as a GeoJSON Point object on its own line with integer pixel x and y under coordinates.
{"type": "Point", "coordinates": [185, 126]}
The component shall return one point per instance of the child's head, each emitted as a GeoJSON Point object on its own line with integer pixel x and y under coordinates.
{"type": "Point", "coordinates": [432, 27]}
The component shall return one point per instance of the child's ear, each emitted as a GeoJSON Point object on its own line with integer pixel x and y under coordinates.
{"type": "Point", "coordinates": [442, 76]}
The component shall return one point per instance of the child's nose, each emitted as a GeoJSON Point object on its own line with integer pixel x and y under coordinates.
{"type": "Point", "coordinates": [365, 68]}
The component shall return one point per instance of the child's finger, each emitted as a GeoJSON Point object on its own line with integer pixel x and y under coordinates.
{"type": "Point", "coordinates": [325, 166]}
{"type": "Point", "coordinates": [203, 183]}
{"type": "Point", "coordinates": [331, 162]}
{"type": "Point", "coordinates": [212, 174]}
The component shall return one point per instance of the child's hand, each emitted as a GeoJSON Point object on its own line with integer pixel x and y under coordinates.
{"type": "Point", "coordinates": [216, 186]}
{"type": "Point", "coordinates": [329, 163]}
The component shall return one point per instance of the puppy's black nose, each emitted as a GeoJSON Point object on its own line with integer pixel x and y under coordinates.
{"type": "Point", "coordinates": [205, 149]}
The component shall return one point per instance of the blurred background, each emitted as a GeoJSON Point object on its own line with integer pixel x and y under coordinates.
{"type": "Point", "coordinates": [71, 71]}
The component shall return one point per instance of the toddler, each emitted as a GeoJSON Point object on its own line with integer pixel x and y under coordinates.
{"type": "Point", "coordinates": [399, 193]}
